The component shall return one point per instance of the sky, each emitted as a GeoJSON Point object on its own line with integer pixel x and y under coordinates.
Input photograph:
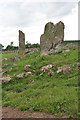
{"type": "Point", "coordinates": [30, 16]}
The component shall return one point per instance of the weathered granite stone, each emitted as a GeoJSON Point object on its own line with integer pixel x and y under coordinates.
{"type": "Point", "coordinates": [21, 42]}
{"type": "Point", "coordinates": [51, 40]}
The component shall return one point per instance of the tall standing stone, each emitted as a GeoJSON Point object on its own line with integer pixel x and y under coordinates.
{"type": "Point", "coordinates": [21, 42]}
{"type": "Point", "coordinates": [51, 40]}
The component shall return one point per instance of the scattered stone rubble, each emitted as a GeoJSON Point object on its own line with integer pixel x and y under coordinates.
{"type": "Point", "coordinates": [28, 72]}
{"type": "Point", "coordinates": [6, 71]}
{"type": "Point", "coordinates": [46, 67]}
{"type": "Point", "coordinates": [11, 59]}
{"type": "Point", "coordinates": [65, 69]}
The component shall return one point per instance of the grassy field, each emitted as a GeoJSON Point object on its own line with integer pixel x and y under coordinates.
{"type": "Point", "coordinates": [57, 94]}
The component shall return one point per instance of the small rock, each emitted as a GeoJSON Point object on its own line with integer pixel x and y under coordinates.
{"type": "Point", "coordinates": [26, 68]}
{"type": "Point", "coordinates": [54, 65]}
{"type": "Point", "coordinates": [28, 73]}
{"type": "Point", "coordinates": [21, 75]}
{"type": "Point", "coordinates": [5, 79]}
{"type": "Point", "coordinates": [59, 70]}
{"type": "Point", "coordinates": [15, 64]}
{"type": "Point", "coordinates": [13, 59]}
{"type": "Point", "coordinates": [16, 59]}
{"type": "Point", "coordinates": [6, 65]}
{"type": "Point", "coordinates": [46, 67]}
{"type": "Point", "coordinates": [50, 73]}
{"type": "Point", "coordinates": [33, 70]}
{"type": "Point", "coordinates": [4, 59]}
{"type": "Point", "coordinates": [10, 69]}
{"type": "Point", "coordinates": [31, 81]}
{"type": "Point", "coordinates": [67, 50]}
{"type": "Point", "coordinates": [65, 69]}
{"type": "Point", "coordinates": [14, 75]}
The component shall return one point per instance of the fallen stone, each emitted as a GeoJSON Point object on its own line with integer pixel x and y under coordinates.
{"type": "Point", "coordinates": [4, 59]}
{"type": "Point", "coordinates": [13, 59]}
{"type": "Point", "coordinates": [5, 65]}
{"type": "Point", "coordinates": [54, 65]}
{"type": "Point", "coordinates": [59, 70]}
{"type": "Point", "coordinates": [26, 68]}
{"type": "Point", "coordinates": [50, 73]}
{"type": "Point", "coordinates": [5, 79]}
{"type": "Point", "coordinates": [67, 50]}
{"type": "Point", "coordinates": [65, 69]}
{"type": "Point", "coordinates": [21, 75]}
{"type": "Point", "coordinates": [31, 81]}
{"type": "Point", "coordinates": [46, 67]}
{"type": "Point", "coordinates": [15, 64]}
{"type": "Point", "coordinates": [28, 73]}
{"type": "Point", "coordinates": [14, 75]}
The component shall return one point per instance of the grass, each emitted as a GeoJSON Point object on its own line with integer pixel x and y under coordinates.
{"type": "Point", "coordinates": [57, 94]}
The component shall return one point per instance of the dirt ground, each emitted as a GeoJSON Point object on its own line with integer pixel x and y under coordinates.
{"type": "Point", "coordinates": [10, 112]}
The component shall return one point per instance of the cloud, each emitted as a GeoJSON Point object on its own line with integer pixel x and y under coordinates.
{"type": "Point", "coordinates": [15, 14]}
{"type": "Point", "coordinates": [31, 18]}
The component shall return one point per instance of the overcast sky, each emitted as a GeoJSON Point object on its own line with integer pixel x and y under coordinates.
{"type": "Point", "coordinates": [31, 17]}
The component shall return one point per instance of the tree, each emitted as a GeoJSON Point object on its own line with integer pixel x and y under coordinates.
{"type": "Point", "coordinates": [11, 43]}
{"type": "Point", "coordinates": [29, 45]}
{"type": "Point", "coordinates": [9, 47]}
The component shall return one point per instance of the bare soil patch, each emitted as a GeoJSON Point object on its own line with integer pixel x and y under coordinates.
{"type": "Point", "coordinates": [10, 112]}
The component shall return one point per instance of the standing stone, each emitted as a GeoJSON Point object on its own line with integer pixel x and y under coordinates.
{"type": "Point", "coordinates": [51, 40]}
{"type": "Point", "coordinates": [21, 42]}
{"type": "Point", "coordinates": [47, 38]}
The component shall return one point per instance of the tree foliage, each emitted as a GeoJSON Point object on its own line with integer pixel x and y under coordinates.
{"type": "Point", "coordinates": [35, 45]}
{"type": "Point", "coordinates": [9, 47]}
